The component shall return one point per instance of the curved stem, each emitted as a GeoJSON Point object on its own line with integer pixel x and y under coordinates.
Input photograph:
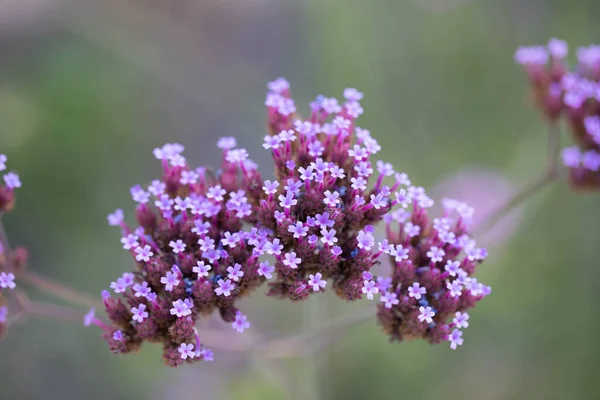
{"type": "Point", "coordinates": [550, 174]}
{"type": "Point", "coordinates": [47, 310]}
{"type": "Point", "coordinates": [59, 290]}
{"type": "Point", "coordinates": [315, 339]}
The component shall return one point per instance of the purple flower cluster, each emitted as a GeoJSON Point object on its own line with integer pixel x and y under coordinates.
{"type": "Point", "coordinates": [9, 182]}
{"type": "Point", "coordinates": [432, 283]}
{"type": "Point", "coordinates": [11, 260]}
{"type": "Point", "coordinates": [327, 196]}
{"type": "Point", "coordinates": [574, 93]}
{"type": "Point", "coordinates": [196, 250]}
{"type": "Point", "coordinates": [206, 239]}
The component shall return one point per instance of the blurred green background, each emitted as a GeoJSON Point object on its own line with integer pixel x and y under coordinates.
{"type": "Point", "coordinates": [88, 89]}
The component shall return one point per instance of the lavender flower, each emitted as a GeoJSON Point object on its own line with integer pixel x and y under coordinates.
{"type": "Point", "coordinates": [430, 272]}
{"type": "Point", "coordinates": [574, 94]}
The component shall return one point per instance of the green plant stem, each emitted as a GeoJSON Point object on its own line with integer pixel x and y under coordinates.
{"type": "Point", "coordinates": [550, 174]}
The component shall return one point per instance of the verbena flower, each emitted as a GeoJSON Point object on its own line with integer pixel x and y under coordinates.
{"type": "Point", "coordinates": [195, 247]}
{"type": "Point", "coordinates": [8, 183]}
{"type": "Point", "coordinates": [573, 93]}
{"type": "Point", "coordinates": [11, 260]}
{"type": "Point", "coordinates": [204, 239]}
{"type": "Point", "coordinates": [432, 283]}
{"type": "Point", "coordinates": [327, 196]}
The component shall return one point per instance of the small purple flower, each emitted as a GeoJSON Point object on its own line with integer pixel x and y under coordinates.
{"type": "Point", "coordinates": [352, 94]}
{"type": "Point", "coordinates": [230, 239]}
{"type": "Point", "coordinates": [365, 240]}
{"type": "Point", "coordinates": [226, 143]}
{"type": "Point", "coordinates": [390, 299]}
{"type": "Point", "coordinates": [2, 162]}
{"type": "Point", "coordinates": [436, 254]}
{"type": "Point", "coordinates": [402, 198]}
{"type": "Point", "coordinates": [461, 320]}
{"type": "Point", "coordinates": [400, 253]}
{"type": "Point", "coordinates": [7, 280]}
{"type": "Point", "coordinates": [130, 241]}
{"type": "Point", "coordinates": [370, 288]}
{"type": "Point", "coordinates": [358, 183]}
{"type": "Point", "coordinates": [178, 246]}
{"type": "Point", "coordinates": [139, 313]}
{"type": "Point", "coordinates": [291, 260]}
{"type": "Point", "coordinates": [206, 354]}
{"type": "Point", "coordinates": [288, 200]}
{"type": "Point", "coordinates": [128, 279]}
{"type": "Point", "coordinates": [119, 286]}
{"type": "Point", "coordinates": [141, 290]}
{"type": "Point", "coordinates": [189, 177]}
{"type": "Point", "coordinates": [378, 201]}
{"type": "Point", "coordinates": [328, 237]}
{"type": "Point", "coordinates": [411, 229]}
{"type": "Point", "coordinates": [558, 48]}
{"type": "Point", "coordinates": [181, 308]}
{"type": "Point", "coordinates": [322, 220]}
{"type": "Point", "coordinates": [426, 314]}
{"type": "Point", "coordinates": [270, 187]}
{"type": "Point", "coordinates": [416, 291]}
{"type": "Point", "coordinates": [241, 322]}
{"type": "Point", "coordinates": [455, 339]}
{"type": "Point", "coordinates": [455, 288]}
{"type": "Point", "coordinates": [331, 199]}
{"type": "Point", "coordinates": [157, 187]}
{"type": "Point", "coordinates": [384, 283]}
{"type": "Point", "coordinates": [143, 254]}
{"type": "Point", "coordinates": [293, 186]}
{"type": "Point", "coordinates": [275, 247]}
{"type": "Point", "coordinates": [105, 294]}
{"type": "Point", "coordinates": [12, 180]}
{"type": "Point", "coordinates": [116, 218]}
{"type": "Point", "coordinates": [235, 272]}
{"type": "Point", "coordinates": [266, 270]}
{"type": "Point", "coordinates": [298, 230]}
{"type": "Point", "coordinates": [139, 195]}
{"type": "Point", "coordinates": [118, 335]}
{"type": "Point", "coordinates": [201, 269]}
{"type": "Point", "coordinates": [216, 193]}
{"type": "Point", "coordinates": [170, 280]}
{"type": "Point", "coordinates": [316, 282]}
{"type": "Point", "coordinates": [89, 317]}
{"type": "Point", "coordinates": [186, 351]}
{"type": "Point", "coordinates": [225, 287]}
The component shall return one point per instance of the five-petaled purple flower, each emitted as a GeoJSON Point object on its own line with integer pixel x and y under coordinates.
{"type": "Point", "coordinates": [143, 253]}
{"type": "Point", "coordinates": [316, 281]}
{"type": "Point", "coordinates": [186, 351]}
{"type": "Point", "coordinates": [139, 313]}
{"type": "Point", "coordinates": [7, 280]}
{"type": "Point", "coordinates": [170, 280]}
{"type": "Point", "coordinates": [416, 291]}
{"type": "Point", "coordinates": [225, 287]}
{"type": "Point", "coordinates": [426, 314]}
{"type": "Point", "coordinates": [241, 322]}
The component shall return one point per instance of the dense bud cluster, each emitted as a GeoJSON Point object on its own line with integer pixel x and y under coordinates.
{"type": "Point", "coordinates": [193, 254]}
{"type": "Point", "coordinates": [11, 260]}
{"type": "Point", "coordinates": [431, 285]}
{"type": "Point", "coordinates": [205, 239]}
{"type": "Point", "coordinates": [322, 207]}
{"type": "Point", "coordinates": [574, 93]}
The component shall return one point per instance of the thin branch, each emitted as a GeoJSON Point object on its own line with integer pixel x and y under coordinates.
{"type": "Point", "coordinates": [550, 174]}
{"type": "Point", "coordinates": [40, 309]}
{"type": "Point", "coordinates": [314, 340]}
{"type": "Point", "coordinates": [59, 290]}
